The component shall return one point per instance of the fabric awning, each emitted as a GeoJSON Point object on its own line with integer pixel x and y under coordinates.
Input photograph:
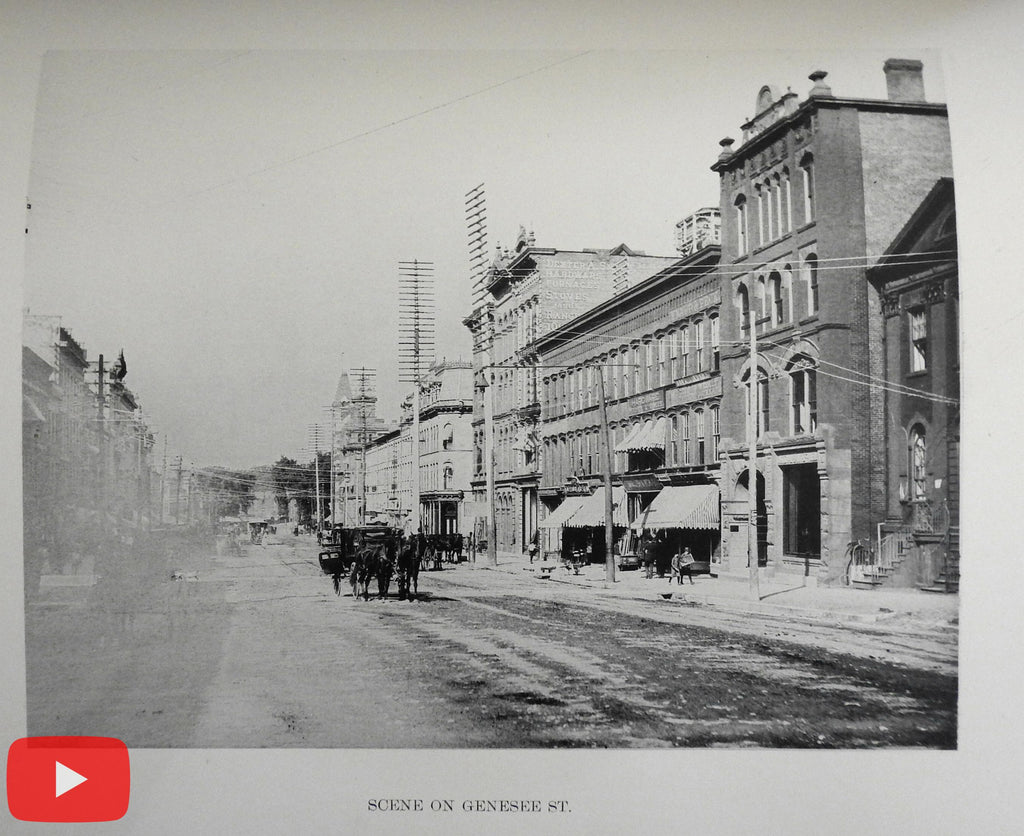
{"type": "Point", "coordinates": [591, 513]}
{"type": "Point", "coordinates": [681, 506]}
{"type": "Point", "coordinates": [653, 436]}
{"type": "Point", "coordinates": [624, 445]}
{"type": "Point", "coordinates": [557, 518]}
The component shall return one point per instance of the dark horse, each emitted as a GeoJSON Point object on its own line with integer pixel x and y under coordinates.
{"type": "Point", "coordinates": [373, 560]}
{"type": "Point", "coordinates": [408, 568]}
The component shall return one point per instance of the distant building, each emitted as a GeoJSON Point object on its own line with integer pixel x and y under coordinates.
{"type": "Point", "coordinates": [701, 229]}
{"type": "Point", "coordinates": [355, 427]}
{"type": "Point", "coordinates": [529, 291]}
{"type": "Point", "coordinates": [445, 455]}
{"type": "Point", "coordinates": [811, 199]}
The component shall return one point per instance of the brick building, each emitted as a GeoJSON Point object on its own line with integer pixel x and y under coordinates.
{"type": "Point", "coordinates": [656, 344]}
{"type": "Point", "coordinates": [918, 282]}
{"type": "Point", "coordinates": [524, 293]}
{"type": "Point", "coordinates": [811, 198]}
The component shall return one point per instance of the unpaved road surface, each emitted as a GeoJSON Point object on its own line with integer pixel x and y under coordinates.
{"type": "Point", "coordinates": [253, 649]}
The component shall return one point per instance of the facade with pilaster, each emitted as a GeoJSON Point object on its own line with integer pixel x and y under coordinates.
{"type": "Point", "coordinates": [812, 196]}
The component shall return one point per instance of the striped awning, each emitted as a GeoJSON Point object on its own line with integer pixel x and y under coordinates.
{"type": "Point", "coordinates": [681, 506]}
{"type": "Point", "coordinates": [591, 513]}
{"type": "Point", "coordinates": [569, 506]}
{"type": "Point", "coordinates": [624, 445]}
{"type": "Point", "coordinates": [653, 436]}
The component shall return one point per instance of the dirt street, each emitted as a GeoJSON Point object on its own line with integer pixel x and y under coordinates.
{"type": "Point", "coordinates": [253, 649]}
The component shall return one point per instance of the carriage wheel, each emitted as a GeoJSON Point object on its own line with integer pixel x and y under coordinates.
{"type": "Point", "coordinates": [337, 584]}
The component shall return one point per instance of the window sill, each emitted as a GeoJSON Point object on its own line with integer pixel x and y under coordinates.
{"type": "Point", "coordinates": [921, 373]}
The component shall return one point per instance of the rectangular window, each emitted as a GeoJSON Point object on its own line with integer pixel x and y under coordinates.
{"type": "Point", "coordinates": [663, 371]}
{"type": "Point", "coordinates": [684, 352]}
{"type": "Point", "coordinates": [673, 441]}
{"type": "Point", "coordinates": [673, 356]}
{"type": "Point", "coordinates": [650, 369]}
{"type": "Point", "coordinates": [918, 340]}
{"type": "Point", "coordinates": [741, 228]}
{"type": "Point", "coordinates": [801, 514]}
{"type": "Point", "coordinates": [698, 338]}
{"type": "Point", "coordinates": [637, 371]}
{"type": "Point", "coordinates": [716, 434]}
{"type": "Point", "coordinates": [627, 371]}
{"type": "Point", "coordinates": [715, 347]}
{"type": "Point", "coordinates": [769, 196]}
{"type": "Point", "coordinates": [700, 437]}
{"type": "Point", "coordinates": [685, 433]}
{"type": "Point", "coordinates": [789, 203]}
{"type": "Point", "coordinates": [763, 405]}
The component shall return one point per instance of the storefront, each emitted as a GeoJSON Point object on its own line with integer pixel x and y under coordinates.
{"type": "Point", "coordinates": [585, 529]}
{"type": "Point", "coordinates": [682, 516]}
{"type": "Point", "coordinates": [552, 528]}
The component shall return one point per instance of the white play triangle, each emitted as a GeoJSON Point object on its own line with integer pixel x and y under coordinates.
{"type": "Point", "coordinates": [67, 779]}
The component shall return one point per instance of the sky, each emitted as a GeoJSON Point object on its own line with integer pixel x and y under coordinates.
{"type": "Point", "coordinates": [233, 220]}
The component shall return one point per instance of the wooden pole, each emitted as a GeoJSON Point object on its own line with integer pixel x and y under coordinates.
{"type": "Point", "coordinates": [609, 534]}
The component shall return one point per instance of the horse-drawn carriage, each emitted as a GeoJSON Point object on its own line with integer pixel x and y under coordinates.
{"type": "Point", "coordinates": [367, 551]}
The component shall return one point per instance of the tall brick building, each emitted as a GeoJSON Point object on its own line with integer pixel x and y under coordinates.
{"type": "Point", "coordinates": [811, 198]}
{"type": "Point", "coordinates": [528, 291]}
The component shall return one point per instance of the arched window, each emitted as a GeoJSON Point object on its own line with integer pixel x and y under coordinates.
{"type": "Point", "coordinates": [787, 200]}
{"type": "Point", "coordinates": [744, 297]}
{"type": "Point", "coordinates": [770, 208]}
{"type": "Point", "coordinates": [807, 169]}
{"type": "Point", "coordinates": [673, 440]}
{"type": "Point", "coordinates": [763, 402]}
{"type": "Point", "coordinates": [918, 464]}
{"type": "Point", "coordinates": [775, 310]}
{"type": "Point", "coordinates": [741, 224]}
{"type": "Point", "coordinates": [448, 476]}
{"type": "Point", "coordinates": [811, 264]}
{"type": "Point", "coordinates": [638, 369]}
{"type": "Point", "coordinates": [698, 339]}
{"type": "Point", "coordinates": [684, 352]}
{"type": "Point", "coordinates": [803, 396]}
{"type": "Point", "coordinates": [447, 436]}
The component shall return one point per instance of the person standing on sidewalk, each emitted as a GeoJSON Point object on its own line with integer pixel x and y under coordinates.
{"type": "Point", "coordinates": [647, 556]}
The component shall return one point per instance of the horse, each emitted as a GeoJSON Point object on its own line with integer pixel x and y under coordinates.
{"type": "Point", "coordinates": [364, 567]}
{"type": "Point", "coordinates": [408, 567]}
{"type": "Point", "coordinates": [387, 554]}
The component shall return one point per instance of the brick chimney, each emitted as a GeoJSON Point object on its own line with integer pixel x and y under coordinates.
{"type": "Point", "coordinates": [903, 80]}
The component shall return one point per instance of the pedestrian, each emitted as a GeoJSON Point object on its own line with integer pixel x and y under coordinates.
{"type": "Point", "coordinates": [676, 573]}
{"type": "Point", "coordinates": [647, 554]}
{"type": "Point", "coordinates": [532, 550]}
{"type": "Point", "coordinates": [685, 561]}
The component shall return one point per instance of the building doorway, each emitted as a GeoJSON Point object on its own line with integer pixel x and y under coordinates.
{"type": "Point", "coordinates": [762, 514]}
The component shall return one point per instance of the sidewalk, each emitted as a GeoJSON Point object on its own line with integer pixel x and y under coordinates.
{"type": "Point", "coordinates": [732, 593]}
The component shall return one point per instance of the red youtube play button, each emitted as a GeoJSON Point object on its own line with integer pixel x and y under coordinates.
{"type": "Point", "coordinates": [68, 779]}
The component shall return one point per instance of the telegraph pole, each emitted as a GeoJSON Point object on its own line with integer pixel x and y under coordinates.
{"type": "Point", "coordinates": [492, 546]}
{"type": "Point", "coordinates": [752, 556]}
{"type": "Point", "coordinates": [606, 443]}
{"type": "Point", "coordinates": [416, 328]}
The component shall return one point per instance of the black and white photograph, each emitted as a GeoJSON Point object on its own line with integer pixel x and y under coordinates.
{"type": "Point", "coordinates": [518, 400]}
